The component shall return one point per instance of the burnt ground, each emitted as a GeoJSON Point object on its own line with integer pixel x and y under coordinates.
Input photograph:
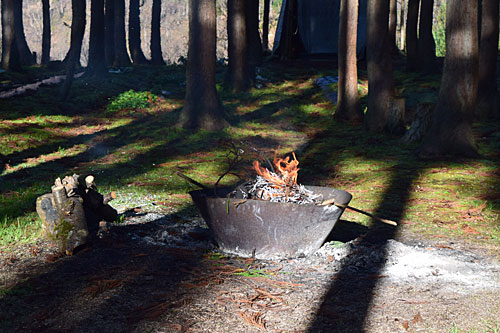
{"type": "Point", "coordinates": [161, 273]}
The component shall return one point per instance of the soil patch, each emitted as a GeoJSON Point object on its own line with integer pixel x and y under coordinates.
{"type": "Point", "coordinates": [161, 273]}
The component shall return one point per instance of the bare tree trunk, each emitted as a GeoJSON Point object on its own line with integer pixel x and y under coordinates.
{"type": "Point", "coordinates": [451, 130]}
{"type": "Point", "coordinates": [488, 103]}
{"type": "Point", "coordinates": [411, 35]}
{"type": "Point", "coordinates": [121, 54]}
{"type": "Point", "coordinates": [156, 54]}
{"type": "Point", "coordinates": [238, 76]}
{"type": "Point", "coordinates": [265, 26]}
{"type": "Point", "coordinates": [253, 36]}
{"type": "Point", "coordinates": [46, 36]}
{"type": "Point", "coordinates": [393, 22]}
{"type": "Point", "coordinates": [202, 108]}
{"type": "Point", "coordinates": [402, 24]}
{"type": "Point", "coordinates": [134, 33]}
{"type": "Point", "coordinates": [77, 30]}
{"type": "Point", "coordinates": [10, 57]}
{"type": "Point", "coordinates": [25, 54]}
{"type": "Point", "coordinates": [109, 32]}
{"type": "Point", "coordinates": [379, 66]}
{"type": "Point", "coordinates": [348, 108]}
{"type": "Point", "coordinates": [426, 45]}
{"type": "Point", "coordinates": [97, 60]}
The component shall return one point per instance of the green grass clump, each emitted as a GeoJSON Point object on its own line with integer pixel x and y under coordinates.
{"type": "Point", "coordinates": [131, 100]}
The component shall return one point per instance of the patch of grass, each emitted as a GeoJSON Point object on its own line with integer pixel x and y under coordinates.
{"type": "Point", "coordinates": [253, 273]}
{"type": "Point", "coordinates": [131, 100]}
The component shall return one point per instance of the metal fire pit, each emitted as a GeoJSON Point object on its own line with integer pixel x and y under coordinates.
{"type": "Point", "coordinates": [269, 230]}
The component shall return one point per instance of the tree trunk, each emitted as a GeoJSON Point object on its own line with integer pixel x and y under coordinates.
{"type": "Point", "coordinates": [121, 54]}
{"type": "Point", "coordinates": [134, 33]}
{"type": "Point", "coordinates": [109, 32]}
{"type": "Point", "coordinates": [202, 109]}
{"type": "Point", "coordinates": [97, 60]}
{"type": "Point", "coordinates": [237, 77]}
{"type": "Point", "coordinates": [379, 65]}
{"type": "Point", "coordinates": [402, 24]}
{"type": "Point", "coordinates": [253, 35]}
{"type": "Point", "coordinates": [393, 22]}
{"type": "Point", "coordinates": [348, 108]}
{"type": "Point", "coordinates": [451, 130]}
{"type": "Point", "coordinates": [265, 26]}
{"type": "Point", "coordinates": [411, 35]}
{"type": "Point", "coordinates": [25, 54]}
{"type": "Point", "coordinates": [46, 36]}
{"type": "Point", "coordinates": [77, 30]}
{"type": "Point", "coordinates": [488, 99]}
{"type": "Point", "coordinates": [10, 57]}
{"type": "Point", "coordinates": [426, 45]}
{"type": "Point", "coordinates": [156, 54]}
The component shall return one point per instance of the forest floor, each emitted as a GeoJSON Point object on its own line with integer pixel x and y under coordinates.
{"type": "Point", "coordinates": [156, 269]}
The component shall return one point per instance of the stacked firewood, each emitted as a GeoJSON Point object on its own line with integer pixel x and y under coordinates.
{"type": "Point", "coordinates": [72, 210]}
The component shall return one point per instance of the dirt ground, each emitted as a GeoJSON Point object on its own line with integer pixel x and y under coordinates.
{"type": "Point", "coordinates": [161, 273]}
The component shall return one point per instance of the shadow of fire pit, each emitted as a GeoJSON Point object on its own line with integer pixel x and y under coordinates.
{"type": "Point", "coordinates": [269, 230]}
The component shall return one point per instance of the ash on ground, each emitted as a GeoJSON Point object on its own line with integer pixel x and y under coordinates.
{"type": "Point", "coordinates": [393, 262]}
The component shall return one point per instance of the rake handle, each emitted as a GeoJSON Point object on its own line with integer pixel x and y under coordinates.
{"type": "Point", "coordinates": [376, 218]}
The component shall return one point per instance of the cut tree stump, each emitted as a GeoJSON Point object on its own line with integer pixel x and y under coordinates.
{"type": "Point", "coordinates": [72, 211]}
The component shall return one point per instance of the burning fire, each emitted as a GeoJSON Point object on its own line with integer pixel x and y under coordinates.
{"type": "Point", "coordinates": [286, 171]}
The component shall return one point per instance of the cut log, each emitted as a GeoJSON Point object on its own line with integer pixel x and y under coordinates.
{"type": "Point", "coordinates": [70, 231]}
{"type": "Point", "coordinates": [74, 208]}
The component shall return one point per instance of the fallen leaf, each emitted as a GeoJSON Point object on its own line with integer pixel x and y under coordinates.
{"type": "Point", "coordinates": [469, 230]}
{"type": "Point", "coordinates": [417, 319]}
{"type": "Point", "coordinates": [406, 325]}
{"type": "Point", "coordinates": [254, 319]}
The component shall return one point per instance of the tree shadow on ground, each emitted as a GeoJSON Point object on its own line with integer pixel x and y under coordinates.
{"type": "Point", "coordinates": [348, 300]}
{"type": "Point", "coordinates": [111, 285]}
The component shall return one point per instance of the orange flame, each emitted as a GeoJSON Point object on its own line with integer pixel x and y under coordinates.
{"type": "Point", "coordinates": [286, 171]}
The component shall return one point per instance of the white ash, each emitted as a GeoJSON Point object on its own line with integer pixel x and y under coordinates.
{"type": "Point", "coordinates": [261, 188]}
{"type": "Point", "coordinates": [395, 262]}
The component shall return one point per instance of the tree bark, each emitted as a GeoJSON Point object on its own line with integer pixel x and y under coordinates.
{"type": "Point", "coordinates": [10, 57]}
{"type": "Point", "coordinates": [253, 36]}
{"type": "Point", "coordinates": [411, 35]}
{"type": "Point", "coordinates": [156, 54]}
{"type": "Point", "coordinates": [426, 45]}
{"type": "Point", "coordinates": [134, 33]}
{"type": "Point", "coordinates": [237, 77]}
{"type": "Point", "coordinates": [46, 35]}
{"type": "Point", "coordinates": [348, 108]}
{"type": "Point", "coordinates": [109, 32]}
{"type": "Point", "coordinates": [97, 60]}
{"type": "Point", "coordinates": [488, 103]}
{"type": "Point", "coordinates": [393, 22]}
{"type": "Point", "coordinates": [265, 26]}
{"type": "Point", "coordinates": [451, 130]}
{"type": "Point", "coordinates": [202, 108]}
{"type": "Point", "coordinates": [402, 24]}
{"type": "Point", "coordinates": [121, 54]}
{"type": "Point", "coordinates": [77, 31]}
{"type": "Point", "coordinates": [26, 57]}
{"type": "Point", "coordinates": [379, 65]}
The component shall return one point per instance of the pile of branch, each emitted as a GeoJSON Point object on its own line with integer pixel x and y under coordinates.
{"type": "Point", "coordinates": [261, 188]}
